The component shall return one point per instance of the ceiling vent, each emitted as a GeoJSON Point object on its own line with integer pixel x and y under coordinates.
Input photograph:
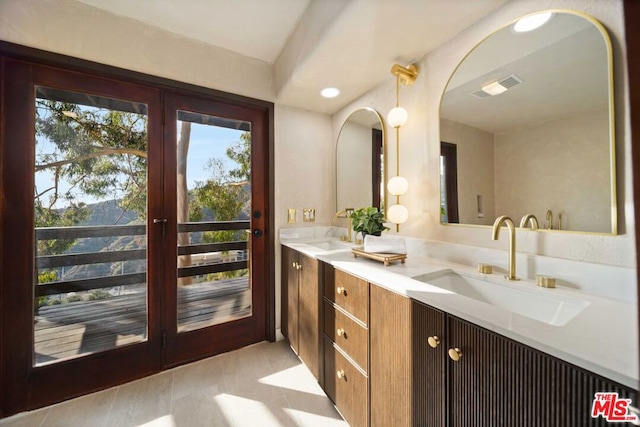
{"type": "Point", "coordinates": [501, 85]}
{"type": "Point", "coordinates": [510, 81]}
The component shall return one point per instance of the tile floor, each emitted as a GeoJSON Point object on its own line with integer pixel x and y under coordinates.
{"type": "Point", "coordinates": [261, 385]}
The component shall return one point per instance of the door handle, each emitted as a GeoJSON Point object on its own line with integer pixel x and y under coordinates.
{"type": "Point", "coordinates": [162, 221]}
{"type": "Point", "coordinates": [257, 232]}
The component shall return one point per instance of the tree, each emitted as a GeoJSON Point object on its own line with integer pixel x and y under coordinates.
{"type": "Point", "coordinates": [98, 152]}
{"type": "Point", "coordinates": [227, 193]}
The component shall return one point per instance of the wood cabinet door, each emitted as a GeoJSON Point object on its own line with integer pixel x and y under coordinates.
{"type": "Point", "coordinates": [309, 313]}
{"type": "Point", "coordinates": [346, 386]}
{"type": "Point", "coordinates": [390, 368]}
{"type": "Point", "coordinates": [476, 386]}
{"type": "Point", "coordinates": [500, 382]}
{"type": "Point", "coordinates": [428, 365]}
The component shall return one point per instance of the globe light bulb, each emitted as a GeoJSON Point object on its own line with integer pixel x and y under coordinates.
{"type": "Point", "coordinates": [397, 214]}
{"type": "Point", "coordinates": [397, 117]}
{"type": "Point", "coordinates": [398, 186]}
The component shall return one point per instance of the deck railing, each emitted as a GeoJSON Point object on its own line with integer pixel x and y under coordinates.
{"type": "Point", "coordinates": [76, 259]}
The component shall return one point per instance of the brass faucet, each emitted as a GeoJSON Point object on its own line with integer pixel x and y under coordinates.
{"type": "Point", "coordinates": [549, 219]}
{"type": "Point", "coordinates": [529, 220]}
{"type": "Point", "coordinates": [560, 221]}
{"type": "Point", "coordinates": [345, 213]}
{"type": "Point", "coordinates": [512, 242]}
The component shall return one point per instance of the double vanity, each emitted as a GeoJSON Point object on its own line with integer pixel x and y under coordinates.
{"type": "Point", "coordinates": [445, 339]}
{"type": "Point", "coordinates": [433, 342]}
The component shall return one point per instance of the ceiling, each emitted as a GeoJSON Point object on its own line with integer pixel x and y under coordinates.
{"type": "Point", "coordinates": [312, 44]}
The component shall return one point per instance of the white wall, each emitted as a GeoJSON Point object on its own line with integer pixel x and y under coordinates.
{"type": "Point", "coordinates": [420, 146]}
{"type": "Point", "coordinates": [304, 173]}
{"type": "Point", "coordinates": [562, 165]}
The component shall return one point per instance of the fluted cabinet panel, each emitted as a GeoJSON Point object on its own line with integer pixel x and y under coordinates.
{"type": "Point", "coordinates": [390, 373]}
{"type": "Point", "coordinates": [428, 366]}
{"type": "Point", "coordinates": [500, 382]}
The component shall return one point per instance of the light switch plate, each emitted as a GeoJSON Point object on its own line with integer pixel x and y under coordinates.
{"type": "Point", "coordinates": [291, 216]}
{"type": "Point", "coordinates": [308, 215]}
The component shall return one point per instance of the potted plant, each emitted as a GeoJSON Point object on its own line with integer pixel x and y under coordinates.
{"type": "Point", "coordinates": [368, 221]}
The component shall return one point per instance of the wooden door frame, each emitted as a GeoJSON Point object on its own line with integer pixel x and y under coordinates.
{"type": "Point", "coordinates": [450, 153]}
{"type": "Point", "coordinates": [15, 399]}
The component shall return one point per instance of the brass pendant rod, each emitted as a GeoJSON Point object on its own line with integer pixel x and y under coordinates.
{"type": "Point", "coordinates": [397, 142]}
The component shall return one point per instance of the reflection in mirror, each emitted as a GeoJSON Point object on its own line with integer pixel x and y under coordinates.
{"type": "Point", "coordinates": [526, 127]}
{"type": "Point", "coordinates": [360, 165]}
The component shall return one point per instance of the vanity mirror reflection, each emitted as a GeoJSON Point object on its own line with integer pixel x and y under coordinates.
{"type": "Point", "coordinates": [526, 127]}
{"type": "Point", "coordinates": [360, 161]}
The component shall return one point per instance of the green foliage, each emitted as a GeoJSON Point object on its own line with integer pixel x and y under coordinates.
{"type": "Point", "coordinates": [95, 149]}
{"type": "Point", "coordinates": [73, 297]}
{"type": "Point", "coordinates": [227, 275]}
{"type": "Point", "coordinates": [240, 153]}
{"type": "Point", "coordinates": [225, 195]}
{"type": "Point", "coordinates": [98, 294]}
{"type": "Point", "coordinates": [46, 217]}
{"type": "Point", "coordinates": [368, 220]}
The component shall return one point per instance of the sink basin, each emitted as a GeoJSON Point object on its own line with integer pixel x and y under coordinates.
{"type": "Point", "coordinates": [543, 306]}
{"type": "Point", "coordinates": [328, 245]}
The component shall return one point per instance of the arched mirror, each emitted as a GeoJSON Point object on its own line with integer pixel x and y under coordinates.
{"type": "Point", "coordinates": [360, 164]}
{"type": "Point", "coordinates": [526, 127]}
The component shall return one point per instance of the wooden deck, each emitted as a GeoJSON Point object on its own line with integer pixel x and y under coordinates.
{"type": "Point", "coordinates": [67, 330]}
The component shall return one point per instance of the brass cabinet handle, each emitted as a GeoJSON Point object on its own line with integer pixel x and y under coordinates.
{"type": "Point", "coordinates": [340, 332]}
{"type": "Point", "coordinates": [294, 265]}
{"type": "Point", "coordinates": [341, 291]}
{"type": "Point", "coordinates": [340, 374]}
{"type": "Point", "coordinates": [433, 341]}
{"type": "Point", "coordinates": [455, 354]}
{"type": "Point", "coordinates": [299, 267]}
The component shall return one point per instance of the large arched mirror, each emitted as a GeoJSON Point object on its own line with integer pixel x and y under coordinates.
{"type": "Point", "coordinates": [526, 127]}
{"type": "Point", "coordinates": [360, 164]}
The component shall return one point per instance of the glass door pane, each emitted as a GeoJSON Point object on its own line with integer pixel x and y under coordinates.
{"type": "Point", "coordinates": [213, 215]}
{"type": "Point", "coordinates": [90, 203]}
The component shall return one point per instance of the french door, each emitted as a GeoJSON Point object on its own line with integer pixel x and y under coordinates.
{"type": "Point", "coordinates": [133, 222]}
{"type": "Point", "coordinates": [216, 216]}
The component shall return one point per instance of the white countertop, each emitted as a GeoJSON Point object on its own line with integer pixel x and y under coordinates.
{"type": "Point", "coordinates": [602, 338]}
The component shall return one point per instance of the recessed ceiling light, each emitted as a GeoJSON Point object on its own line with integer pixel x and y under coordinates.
{"type": "Point", "coordinates": [532, 22]}
{"type": "Point", "coordinates": [329, 92]}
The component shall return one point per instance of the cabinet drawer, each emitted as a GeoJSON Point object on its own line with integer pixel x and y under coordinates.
{"type": "Point", "coordinates": [350, 336]}
{"type": "Point", "coordinates": [350, 391]}
{"type": "Point", "coordinates": [350, 293]}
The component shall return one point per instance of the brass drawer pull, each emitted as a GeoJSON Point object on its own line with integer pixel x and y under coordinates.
{"type": "Point", "coordinates": [341, 374]}
{"type": "Point", "coordinates": [455, 354]}
{"type": "Point", "coordinates": [341, 291]}
{"type": "Point", "coordinates": [433, 341]}
{"type": "Point", "coordinates": [341, 333]}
